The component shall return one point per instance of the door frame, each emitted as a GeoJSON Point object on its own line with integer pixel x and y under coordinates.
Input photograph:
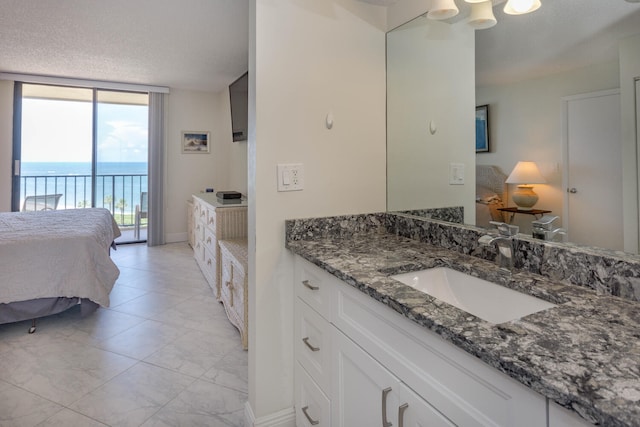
{"type": "Point", "coordinates": [565, 154]}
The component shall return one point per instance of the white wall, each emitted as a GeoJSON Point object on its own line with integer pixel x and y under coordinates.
{"type": "Point", "coordinates": [430, 81]}
{"type": "Point", "coordinates": [307, 58]}
{"type": "Point", "coordinates": [6, 144]}
{"type": "Point", "coordinates": [224, 168]}
{"type": "Point", "coordinates": [526, 124]}
{"type": "Point", "coordinates": [629, 72]}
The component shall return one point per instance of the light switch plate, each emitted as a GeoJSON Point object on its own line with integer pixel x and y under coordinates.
{"type": "Point", "coordinates": [456, 173]}
{"type": "Point", "coordinates": [290, 177]}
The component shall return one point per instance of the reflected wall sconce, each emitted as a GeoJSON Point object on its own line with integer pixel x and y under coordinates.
{"type": "Point", "coordinates": [481, 10]}
{"type": "Point", "coordinates": [525, 174]}
{"type": "Point", "coordinates": [520, 7]}
{"type": "Point", "coordinates": [442, 9]}
{"type": "Point", "coordinates": [482, 16]}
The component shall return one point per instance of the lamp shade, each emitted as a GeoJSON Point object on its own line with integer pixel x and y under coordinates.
{"type": "Point", "coordinates": [520, 7]}
{"type": "Point", "coordinates": [482, 15]}
{"type": "Point", "coordinates": [442, 9]}
{"type": "Point", "coordinates": [526, 173]}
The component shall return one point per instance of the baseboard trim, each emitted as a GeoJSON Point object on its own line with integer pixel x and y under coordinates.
{"type": "Point", "coordinates": [284, 418]}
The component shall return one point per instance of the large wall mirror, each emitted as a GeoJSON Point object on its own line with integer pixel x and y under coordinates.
{"type": "Point", "coordinates": [560, 84]}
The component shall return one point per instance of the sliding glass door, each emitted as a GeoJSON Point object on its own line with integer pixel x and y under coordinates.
{"type": "Point", "coordinates": [79, 148]}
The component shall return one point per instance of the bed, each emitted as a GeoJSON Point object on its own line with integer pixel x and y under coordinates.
{"type": "Point", "coordinates": [491, 194]}
{"type": "Point", "coordinates": [52, 260]}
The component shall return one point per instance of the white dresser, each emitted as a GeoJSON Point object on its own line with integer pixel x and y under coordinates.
{"type": "Point", "coordinates": [212, 222]}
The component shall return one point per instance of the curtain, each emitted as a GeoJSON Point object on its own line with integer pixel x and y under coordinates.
{"type": "Point", "coordinates": [155, 230]}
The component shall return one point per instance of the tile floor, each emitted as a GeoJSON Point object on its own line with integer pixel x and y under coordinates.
{"type": "Point", "coordinates": [163, 354]}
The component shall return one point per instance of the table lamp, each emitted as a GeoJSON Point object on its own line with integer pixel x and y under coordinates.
{"type": "Point", "coordinates": [525, 174]}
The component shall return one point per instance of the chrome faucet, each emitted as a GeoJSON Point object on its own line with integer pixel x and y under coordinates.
{"type": "Point", "coordinates": [543, 228]}
{"type": "Point", "coordinates": [503, 243]}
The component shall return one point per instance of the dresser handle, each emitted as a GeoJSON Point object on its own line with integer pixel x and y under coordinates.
{"type": "Point", "coordinates": [385, 423]}
{"type": "Point", "coordinates": [309, 285]}
{"type": "Point", "coordinates": [208, 261]}
{"type": "Point", "coordinates": [311, 420]}
{"type": "Point", "coordinates": [208, 239]}
{"type": "Point", "coordinates": [210, 220]}
{"type": "Point", "coordinates": [312, 348]}
{"type": "Point", "coordinates": [401, 410]}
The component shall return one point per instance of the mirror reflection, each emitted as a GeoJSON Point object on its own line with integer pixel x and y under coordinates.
{"type": "Point", "coordinates": [560, 85]}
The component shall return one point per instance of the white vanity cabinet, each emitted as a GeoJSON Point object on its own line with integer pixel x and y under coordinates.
{"type": "Point", "coordinates": [365, 393]}
{"type": "Point", "coordinates": [373, 349]}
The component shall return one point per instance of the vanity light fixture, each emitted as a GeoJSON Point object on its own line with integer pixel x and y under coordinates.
{"type": "Point", "coordinates": [442, 9]}
{"type": "Point", "coordinates": [525, 174]}
{"type": "Point", "coordinates": [482, 15]}
{"type": "Point", "coordinates": [520, 7]}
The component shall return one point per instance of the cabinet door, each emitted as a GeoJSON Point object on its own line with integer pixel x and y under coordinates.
{"type": "Point", "coordinates": [417, 412]}
{"type": "Point", "coordinates": [363, 391]}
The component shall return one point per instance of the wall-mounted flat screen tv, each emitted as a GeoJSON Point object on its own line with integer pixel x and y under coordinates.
{"type": "Point", "coordinates": [239, 94]}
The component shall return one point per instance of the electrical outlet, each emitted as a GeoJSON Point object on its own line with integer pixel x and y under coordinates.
{"type": "Point", "coordinates": [290, 177]}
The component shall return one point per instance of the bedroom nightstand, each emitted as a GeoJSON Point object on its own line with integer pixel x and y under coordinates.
{"type": "Point", "coordinates": [537, 213]}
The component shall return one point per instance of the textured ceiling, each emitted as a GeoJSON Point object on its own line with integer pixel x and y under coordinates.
{"type": "Point", "coordinates": [560, 36]}
{"type": "Point", "coordinates": [203, 44]}
{"type": "Point", "coordinates": [188, 44]}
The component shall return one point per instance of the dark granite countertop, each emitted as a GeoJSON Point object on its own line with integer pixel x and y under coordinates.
{"type": "Point", "coordinates": [583, 354]}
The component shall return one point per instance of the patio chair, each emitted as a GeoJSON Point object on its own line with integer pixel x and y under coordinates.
{"type": "Point", "coordinates": [44, 202]}
{"type": "Point", "coordinates": [141, 212]}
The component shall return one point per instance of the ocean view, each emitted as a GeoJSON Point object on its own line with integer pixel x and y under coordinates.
{"type": "Point", "coordinates": [116, 182]}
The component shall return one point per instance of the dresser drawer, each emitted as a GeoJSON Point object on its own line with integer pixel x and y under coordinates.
{"type": "Point", "coordinates": [211, 219]}
{"type": "Point", "coordinates": [313, 344]}
{"type": "Point", "coordinates": [209, 268]}
{"type": "Point", "coordinates": [313, 286]}
{"type": "Point", "coordinates": [210, 241]}
{"type": "Point", "coordinates": [313, 408]}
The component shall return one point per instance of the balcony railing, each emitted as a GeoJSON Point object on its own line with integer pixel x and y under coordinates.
{"type": "Point", "coordinates": [118, 193]}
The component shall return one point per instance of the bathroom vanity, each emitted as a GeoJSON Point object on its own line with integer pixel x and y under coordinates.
{"type": "Point", "coordinates": [371, 350]}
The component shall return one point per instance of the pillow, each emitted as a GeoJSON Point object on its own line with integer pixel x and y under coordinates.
{"type": "Point", "coordinates": [486, 195]}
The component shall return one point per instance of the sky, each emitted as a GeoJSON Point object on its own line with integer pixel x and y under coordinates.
{"type": "Point", "coordinates": [60, 131]}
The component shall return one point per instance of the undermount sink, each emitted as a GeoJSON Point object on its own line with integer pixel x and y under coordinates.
{"type": "Point", "coordinates": [486, 300]}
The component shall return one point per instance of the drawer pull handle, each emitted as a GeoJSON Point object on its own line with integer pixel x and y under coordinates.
{"type": "Point", "coordinates": [208, 261]}
{"type": "Point", "coordinates": [401, 410]}
{"type": "Point", "coordinates": [311, 347]}
{"type": "Point", "coordinates": [208, 239]}
{"type": "Point", "coordinates": [311, 420]}
{"type": "Point", "coordinates": [309, 285]}
{"type": "Point", "coordinates": [385, 392]}
{"type": "Point", "coordinates": [210, 220]}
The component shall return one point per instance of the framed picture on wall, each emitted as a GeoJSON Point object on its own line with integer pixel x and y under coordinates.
{"type": "Point", "coordinates": [195, 142]}
{"type": "Point", "coordinates": [482, 128]}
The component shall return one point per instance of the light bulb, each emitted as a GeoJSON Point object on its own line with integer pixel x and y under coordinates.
{"type": "Point", "coordinates": [519, 7]}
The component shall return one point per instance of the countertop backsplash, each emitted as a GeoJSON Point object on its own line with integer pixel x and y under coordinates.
{"type": "Point", "coordinates": [606, 272]}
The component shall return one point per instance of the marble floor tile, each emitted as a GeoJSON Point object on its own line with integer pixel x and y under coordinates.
{"type": "Point", "coordinates": [62, 370]}
{"type": "Point", "coordinates": [230, 371]}
{"type": "Point", "coordinates": [133, 396]}
{"type": "Point", "coordinates": [202, 404]}
{"type": "Point", "coordinates": [163, 354]}
{"type": "Point", "coordinates": [142, 340]}
{"type": "Point", "coordinates": [123, 293]}
{"type": "Point", "coordinates": [196, 352]}
{"type": "Point", "coordinates": [69, 418]}
{"type": "Point", "coordinates": [20, 408]}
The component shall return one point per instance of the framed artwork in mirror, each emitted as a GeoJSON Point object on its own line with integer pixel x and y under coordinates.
{"type": "Point", "coordinates": [482, 128]}
{"type": "Point", "coordinates": [195, 142]}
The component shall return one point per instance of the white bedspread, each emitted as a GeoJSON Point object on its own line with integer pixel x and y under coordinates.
{"type": "Point", "coordinates": [61, 253]}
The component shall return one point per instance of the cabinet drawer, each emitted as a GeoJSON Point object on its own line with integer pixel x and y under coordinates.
{"type": "Point", "coordinates": [464, 389]}
{"type": "Point", "coordinates": [209, 268]}
{"type": "Point", "coordinates": [210, 241]}
{"type": "Point", "coordinates": [313, 344]}
{"type": "Point", "coordinates": [211, 219]}
{"type": "Point", "coordinates": [313, 286]}
{"type": "Point", "coordinates": [313, 408]}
